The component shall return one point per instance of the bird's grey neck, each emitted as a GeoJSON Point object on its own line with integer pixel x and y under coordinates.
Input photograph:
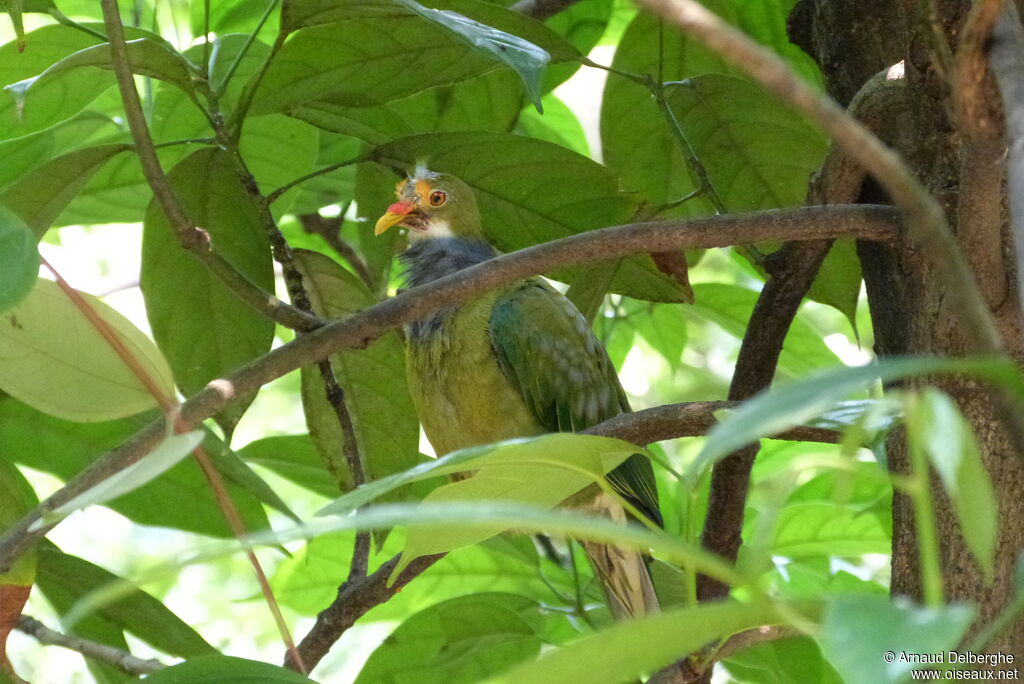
{"type": "Point", "coordinates": [432, 259]}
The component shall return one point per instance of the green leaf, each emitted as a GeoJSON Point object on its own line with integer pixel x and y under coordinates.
{"type": "Point", "coordinates": [16, 498]}
{"type": "Point", "coordinates": [135, 611]}
{"type": "Point", "coordinates": [795, 403]}
{"type": "Point", "coordinates": [203, 328]}
{"type": "Point", "coordinates": [782, 661]}
{"type": "Point", "coordinates": [826, 529]}
{"type": "Point", "coordinates": [588, 289]}
{"type": "Point", "coordinates": [758, 153]}
{"type": "Point", "coordinates": [376, 394]}
{"type": "Point", "coordinates": [730, 307]}
{"type": "Point", "coordinates": [936, 426]}
{"type": "Point", "coordinates": [654, 642]}
{"type": "Point", "coordinates": [216, 669]}
{"type": "Point", "coordinates": [41, 195]}
{"type": "Point", "coordinates": [374, 53]}
{"type": "Point", "coordinates": [838, 281]}
{"type": "Point", "coordinates": [293, 457]}
{"type": "Point", "coordinates": [525, 58]}
{"type": "Point", "coordinates": [456, 641]}
{"type": "Point", "coordinates": [859, 630]}
{"type": "Point", "coordinates": [55, 98]}
{"type": "Point", "coordinates": [52, 358]}
{"type": "Point", "coordinates": [19, 259]}
{"type": "Point", "coordinates": [151, 57]}
{"type": "Point", "coordinates": [544, 471]}
{"type": "Point", "coordinates": [64, 449]}
{"type": "Point", "coordinates": [558, 124]}
{"type": "Point", "coordinates": [664, 328]}
{"type": "Point", "coordinates": [168, 453]}
{"type": "Point", "coordinates": [520, 186]}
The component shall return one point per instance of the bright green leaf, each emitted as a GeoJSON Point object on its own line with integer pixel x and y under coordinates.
{"type": "Point", "coordinates": [654, 642]}
{"type": "Point", "coordinates": [827, 529]}
{"type": "Point", "coordinates": [52, 358]}
{"type": "Point", "coordinates": [799, 401]}
{"type": "Point", "coordinates": [558, 124]}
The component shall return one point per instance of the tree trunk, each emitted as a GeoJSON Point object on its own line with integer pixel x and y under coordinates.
{"type": "Point", "coordinates": [852, 40]}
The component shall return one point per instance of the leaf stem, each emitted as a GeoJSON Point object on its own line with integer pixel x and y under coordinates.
{"type": "Point", "coordinates": [222, 86]}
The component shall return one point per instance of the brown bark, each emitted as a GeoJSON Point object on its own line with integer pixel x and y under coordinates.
{"type": "Point", "coordinates": [939, 138]}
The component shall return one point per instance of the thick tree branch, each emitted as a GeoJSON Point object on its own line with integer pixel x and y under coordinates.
{"type": "Point", "coordinates": [189, 235]}
{"type": "Point", "coordinates": [926, 224]}
{"type": "Point", "coordinates": [1007, 57]}
{"type": "Point", "coordinates": [982, 163]}
{"type": "Point", "coordinates": [122, 660]}
{"type": "Point", "coordinates": [808, 223]}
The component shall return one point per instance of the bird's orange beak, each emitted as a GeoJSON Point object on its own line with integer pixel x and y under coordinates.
{"type": "Point", "coordinates": [395, 214]}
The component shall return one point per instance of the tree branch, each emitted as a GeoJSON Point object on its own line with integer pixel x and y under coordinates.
{"type": "Point", "coordinates": [926, 225]}
{"type": "Point", "coordinates": [355, 598]}
{"type": "Point", "coordinates": [122, 660]}
{"type": "Point", "coordinates": [329, 228]}
{"type": "Point", "coordinates": [808, 223]}
{"type": "Point", "coordinates": [982, 164]}
{"type": "Point", "coordinates": [189, 235]}
{"type": "Point", "coordinates": [1007, 58]}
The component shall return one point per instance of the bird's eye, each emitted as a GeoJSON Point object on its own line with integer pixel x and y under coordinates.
{"type": "Point", "coordinates": [438, 198]}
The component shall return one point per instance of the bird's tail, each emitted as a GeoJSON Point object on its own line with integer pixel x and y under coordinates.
{"type": "Point", "coordinates": [622, 572]}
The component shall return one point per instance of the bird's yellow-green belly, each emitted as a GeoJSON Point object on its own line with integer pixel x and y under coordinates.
{"type": "Point", "coordinates": [462, 395]}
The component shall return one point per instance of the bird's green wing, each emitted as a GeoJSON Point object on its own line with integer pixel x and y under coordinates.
{"type": "Point", "coordinates": [549, 353]}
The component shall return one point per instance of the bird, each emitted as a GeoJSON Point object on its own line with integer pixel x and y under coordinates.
{"type": "Point", "coordinates": [517, 361]}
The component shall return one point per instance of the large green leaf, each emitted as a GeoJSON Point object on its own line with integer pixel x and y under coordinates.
{"type": "Point", "coordinates": [50, 44]}
{"type": "Point", "coordinates": [730, 307]}
{"type": "Point", "coordinates": [293, 457]}
{"type": "Point", "coordinates": [16, 498]}
{"type": "Point", "coordinates": [216, 669]}
{"type": "Point", "coordinates": [859, 633]}
{"type": "Point", "coordinates": [782, 661]}
{"type": "Point", "coordinates": [826, 529]}
{"type": "Point", "coordinates": [135, 611]}
{"type": "Point", "coordinates": [203, 328]}
{"type": "Point", "coordinates": [378, 52]}
{"type": "Point", "coordinates": [456, 641]}
{"type": "Point", "coordinates": [653, 642]}
{"type": "Point", "coordinates": [936, 426]}
{"type": "Point", "coordinates": [521, 187]}
{"type": "Point", "coordinates": [543, 472]}
{"type": "Point", "coordinates": [376, 394]}
{"type": "Point", "coordinates": [52, 358]}
{"type": "Point", "coordinates": [799, 401]}
{"type": "Point", "coordinates": [558, 124]}
{"type": "Point", "coordinates": [19, 259]}
{"type": "Point", "coordinates": [64, 449]}
{"type": "Point", "coordinates": [41, 195]}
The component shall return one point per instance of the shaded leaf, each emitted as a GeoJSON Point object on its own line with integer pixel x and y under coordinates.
{"type": "Point", "coordinates": [558, 124]}
{"type": "Point", "coordinates": [52, 358]}
{"type": "Point", "coordinates": [41, 195]}
{"type": "Point", "coordinates": [135, 611]}
{"type": "Point", "coordinates": [376, 394]}
{"type": "Point", "coordinates": [205, 330]}
{"type": "Point", "coordinates": [19, 260]}
{"type": "Point", "coordinates": [16, 498]}
{"type": "Point", "coordinates": [64, 449]}
{"type": "Point", "coordinates": [293, 457]}
{"type": "Point", "coordinates": [782, 661]}
{"type": "Point", "coordinates": [215, 669]}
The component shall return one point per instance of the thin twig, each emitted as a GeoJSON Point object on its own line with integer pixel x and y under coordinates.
{"type": "Point", "coordinates": [222, 86]}
{"type": "Point", "coordinates": [926, 225]}
{"type": "Point", "coordinates": [808, 223]}
{"type": "Point", "coordinates": [276, 194]}
{"type": "Point", "coordinates": [189, 235]}
{"type": "Point", "coordinates": [122, 660]}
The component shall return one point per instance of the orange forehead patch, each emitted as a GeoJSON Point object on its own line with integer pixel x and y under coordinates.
{"type": "Point", "coordinates": [421, 187]}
